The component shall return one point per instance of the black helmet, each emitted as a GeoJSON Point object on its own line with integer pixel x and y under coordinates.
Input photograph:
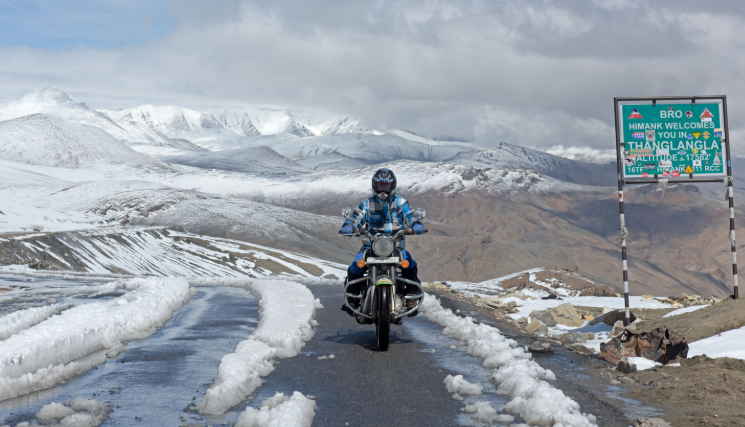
{"type": "Point", "coordinates": [383, 183]}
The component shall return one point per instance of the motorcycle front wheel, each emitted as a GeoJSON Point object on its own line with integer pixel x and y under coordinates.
{"type": "Point", "coordinates": [383, 325]}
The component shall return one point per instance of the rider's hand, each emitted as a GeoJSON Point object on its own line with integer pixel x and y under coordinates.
{"type": "Point", "coordinates": [418, 228]}
{"type": "Point", "coordinates": [347, 229]}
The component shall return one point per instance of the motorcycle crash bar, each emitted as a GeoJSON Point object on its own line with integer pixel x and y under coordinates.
{"type": "Point", "coordinates": [359, 297]}
{"type": "Point", "coordinates": [419, 296]}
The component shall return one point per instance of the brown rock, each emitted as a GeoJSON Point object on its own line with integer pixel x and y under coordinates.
{"type": "Point", "coordinates": [536, 327]}
{"type": "Point", "coordinates": [564, 314]}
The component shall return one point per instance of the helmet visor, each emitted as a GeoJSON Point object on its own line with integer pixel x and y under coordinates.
{"type": "Point", "coordinates": [383, 186]}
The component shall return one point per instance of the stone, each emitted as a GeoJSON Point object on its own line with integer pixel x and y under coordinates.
{"type": "Point", "coordinates": [579, 348]}
{"type": "Point", "coordinates": [650, 422]}
{"type": "Point", "coordinates": [618, 328]}
{"type": "Point", "coordinates": [564, 314]}
{"type": "Point", "coordinates": [625, 366]}
{"type": "Point", "coordinates": [612, 317]}
{"type": "Point", "coordinates": [537, 327]}
{"type": "Point", "coordinates": [577, 337]}
{"type": "Point", "coordinates": [587, 317]}
{"type": "Point", "coordinates": [626, 380]}
{"type": "Point", "coordinates": [541, 347]}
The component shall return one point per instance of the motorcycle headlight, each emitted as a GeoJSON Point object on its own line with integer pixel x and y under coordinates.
{"type": "Point", "coordinates": [383, 247]}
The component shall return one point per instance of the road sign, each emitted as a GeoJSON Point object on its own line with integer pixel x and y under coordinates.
{"type": "Point", "coordinates": [675, 137]}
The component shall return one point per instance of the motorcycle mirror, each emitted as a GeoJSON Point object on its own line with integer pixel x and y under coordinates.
{"type": "Point", "coordinates": [346, 212]}
{"type": "Point", "coordinates": [419, 213]}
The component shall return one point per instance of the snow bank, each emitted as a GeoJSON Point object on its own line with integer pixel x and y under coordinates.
{"type": "Point", "coordinates": [519, 377]}
{"type": "Point", "coordinates": [726, 344]}
{"type": "Point", "coordinates": [23, 319]}
{"type": "Point", "coordinates": [286, 318]}
{"type": "Point", "coordinates": [685, 310]}
{"type": "Point", "coordinates": [80, 338]}
{"type": "Point", "coordinates": [280, 411]}
{"type": "Point", "coordinates": [458, 385]}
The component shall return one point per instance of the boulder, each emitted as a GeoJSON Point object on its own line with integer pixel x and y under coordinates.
{"type": "Point", "coordinates": [577, 337]}
{"type": "Point", "coordinates": [564, 314]}
{"type": "Point", "coordinates": [611, 317]}
{"type": "Point", "coordinates": [618, 328]}
{"type": "Point", "coordinates": [625, 366]}
{"type": "Point", "coordinates": [537, 327]}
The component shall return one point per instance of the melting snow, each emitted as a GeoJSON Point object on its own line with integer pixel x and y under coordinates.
{"type": "Point", "coordinates": [280, 411]}
{"type": "Point", "coordinates": [80, 338]}
{"type": "Point", "coordinates": [286, 312]}
{"type": "Point", "coordinates": [519, 377]}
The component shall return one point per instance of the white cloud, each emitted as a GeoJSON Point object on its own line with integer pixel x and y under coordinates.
{"type": "Point", "coordinates": [527, 73]}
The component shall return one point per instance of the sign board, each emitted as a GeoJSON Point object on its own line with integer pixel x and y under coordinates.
{"type": "Point", "coordinates": [672, 139]}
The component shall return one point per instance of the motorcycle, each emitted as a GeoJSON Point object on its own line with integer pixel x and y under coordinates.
{"type": "Point", "coordinates": [382, 300]}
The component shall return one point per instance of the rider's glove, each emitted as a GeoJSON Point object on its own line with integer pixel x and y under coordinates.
{"type": "Point", "coordinates": [418, 228]}
{"type": "Point", "coordinates": [347, 229]}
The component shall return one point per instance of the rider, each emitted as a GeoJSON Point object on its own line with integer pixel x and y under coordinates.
{"type": "Point", "coordinates": [384, 212]}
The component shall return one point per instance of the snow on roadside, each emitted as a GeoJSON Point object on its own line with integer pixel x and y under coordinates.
{"type": "Point", "coordinates": [286, 318]}
{"type": "Point", "coordinates": [19, 320]}
{"type": "Point", "coordinates": [519, 377]}
{"type": "Point", "coordinates": [80, 338]}
{"type": "Point", "coordinates": [458, 385]}
{"type": "Point", "coordinates": [280, 411]}
{"type": "Point", "coordinates": [721, 345]}
{"type": "Point", "coordinates": [80, 412]}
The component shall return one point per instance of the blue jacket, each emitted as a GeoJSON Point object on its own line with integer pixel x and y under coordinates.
{"type": "Point", "coordinates": [386, 217]}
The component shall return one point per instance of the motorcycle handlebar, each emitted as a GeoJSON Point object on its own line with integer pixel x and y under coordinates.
{"type": "Point", "coordinates": [407, 232]}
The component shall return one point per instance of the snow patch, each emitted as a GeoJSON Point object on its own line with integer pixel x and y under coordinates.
{"type": "Point", "coordinates": [642, 363]}
{"type": "Point", "coordinates": [685, 310]}
{"type": "Point", "coordinates": [720, 345]}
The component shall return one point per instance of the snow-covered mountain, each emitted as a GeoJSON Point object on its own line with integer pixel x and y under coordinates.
{"type": "Point", "coordinates": [176, 122]}
{"type": "Point", "coordinates": [366, 148]}
{"type": "Point", "coordinates": [255, 160]}
{"type": "Point", "coordinates": [43, 140]}
{"type": "Point", "coordinates": [281, 124]}
{"type": "Point", "coordinates": [342, 125]}
{"type": "Point", "coordinates": [54, 102]}
{"type": "Point", "coordinates": [584, 154]}
{"type": "Point", "coordinates": [238, 122]}
{"type": "Point", "coordinates": [508, 156]}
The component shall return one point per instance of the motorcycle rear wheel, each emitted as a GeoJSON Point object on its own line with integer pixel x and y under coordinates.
{"type": "Point", "coordinates": [383, 325]}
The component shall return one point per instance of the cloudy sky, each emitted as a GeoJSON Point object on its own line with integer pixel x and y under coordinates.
{"type": "Point", "coordinates": [535, 73]}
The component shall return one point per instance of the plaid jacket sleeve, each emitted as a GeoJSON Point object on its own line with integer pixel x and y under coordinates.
{"type": "Point", "coordinates": [360, 215]}
{"type": "Point", "coordinates": [407, 213]}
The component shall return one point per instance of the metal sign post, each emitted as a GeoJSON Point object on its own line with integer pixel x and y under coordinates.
{"type": "Point", "coordinates": [672, 139]}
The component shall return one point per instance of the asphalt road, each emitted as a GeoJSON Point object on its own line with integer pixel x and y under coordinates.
{"type": "Point", "coordinates": [155, 379]}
